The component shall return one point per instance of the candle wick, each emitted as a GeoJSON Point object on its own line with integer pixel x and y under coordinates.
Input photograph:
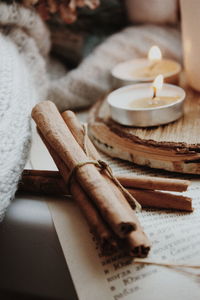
{"type": "Point", "coordinates": [154, 92]}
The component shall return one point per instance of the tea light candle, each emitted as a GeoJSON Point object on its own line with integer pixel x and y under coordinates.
{"type": "Point", "coordinates": [147, 104]}
{"type": "Point", "coordinates": [146, 69]}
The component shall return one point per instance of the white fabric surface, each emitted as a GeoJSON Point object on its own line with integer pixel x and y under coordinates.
{"type": "Point", "coordinates": [23, 81]}
{"type": "Point", "coordinates": [16, 96]}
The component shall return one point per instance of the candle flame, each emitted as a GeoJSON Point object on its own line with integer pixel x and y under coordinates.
{"type": "Point", "coordinates": [154, 53]}
{"type": "Point", "coordinates": [157, 85]}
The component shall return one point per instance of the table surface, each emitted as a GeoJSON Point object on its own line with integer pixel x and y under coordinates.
{"type": "Point", "coordinates": [31, 259]}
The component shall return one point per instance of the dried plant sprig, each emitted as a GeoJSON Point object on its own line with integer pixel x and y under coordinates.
{"type": "Point", "coordinates": [67, 9]}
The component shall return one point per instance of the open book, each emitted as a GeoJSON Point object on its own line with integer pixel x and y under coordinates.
{"type": "Point", "coordinates": [175, 238]}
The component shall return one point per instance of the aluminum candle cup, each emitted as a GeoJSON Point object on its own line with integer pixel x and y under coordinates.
{"type": "Point", "coordinates": [125, 105]}
{"type": "Point", "coordinates": [146, 69]}
{"type": "Point", "coordinates": [136, 71]}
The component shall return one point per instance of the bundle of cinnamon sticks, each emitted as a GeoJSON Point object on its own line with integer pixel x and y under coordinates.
{"type": "Point", "coordinates": [106, 205]}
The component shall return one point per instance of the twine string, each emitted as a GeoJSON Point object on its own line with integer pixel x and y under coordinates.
{"type": "Point", "coordinates": [102, 165]}
{"type": "Point", "coordinates": [164, 264]}
{"type": "Point", "coordinates": [172, 265]}
{"type": "Point", "coordinates": [131, 200]}
{"type": "Point", "coordinates": [75, 169]}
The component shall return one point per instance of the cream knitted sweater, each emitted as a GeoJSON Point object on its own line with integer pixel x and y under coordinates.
{"type": "Point", "coordinates": [25, 79]}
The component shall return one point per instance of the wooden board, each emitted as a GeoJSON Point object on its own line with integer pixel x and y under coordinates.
{"type": "Point", "coordinates": [173, 147]}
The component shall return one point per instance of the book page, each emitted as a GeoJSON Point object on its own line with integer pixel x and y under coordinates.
{"type": "Point", "coordinates": [175, 238]}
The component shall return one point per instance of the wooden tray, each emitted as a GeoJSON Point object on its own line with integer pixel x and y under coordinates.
{"type": "Point", "coordinates": [173, 147]}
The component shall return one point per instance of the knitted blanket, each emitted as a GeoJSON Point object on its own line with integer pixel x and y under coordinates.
{"type": "Point", "coordinates": [25, 78]}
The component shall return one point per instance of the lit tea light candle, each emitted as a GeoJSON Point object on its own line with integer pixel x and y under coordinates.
{"type": "Point", "coordinates": [155, 100]}
{"type": "Point", "coordinates": [146, 69]}
{"type": "Point", "coordinates": [147, 104]}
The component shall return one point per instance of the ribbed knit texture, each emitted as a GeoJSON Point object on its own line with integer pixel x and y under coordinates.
{"type": "Point", "coordinates": [15, 90]}
{"type": "Point", "coordinates": [25, 79]}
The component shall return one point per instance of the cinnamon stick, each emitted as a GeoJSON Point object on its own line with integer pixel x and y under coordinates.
{"type": "Point", "coordinates": [42, 173]}
{"type": "Point", "coordinates": [115, 210]}
{"type": "Point", "coordinates": [103, 234]}
{"type": "Point", "coordinates": [161, 200]}
{"type": "Point", "coordinates": [134, 242]}
{"type": "Point", "coordinates": [132, 181]}
{"type": "Point", "coordinates": [50, 182]}
{"type": "Point", "coordinates": [141, 241]}
{"type": "Point", "coordinates": [77, 130]}
{"type": "Point", "coordinates": [153, 183]}
{"type": "Point", "coordinates": [42, 182]}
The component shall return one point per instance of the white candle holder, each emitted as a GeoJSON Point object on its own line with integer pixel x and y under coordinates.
{"type": "Point", "coordinates": [121, 111]}
{"type": "Point", "coordinates": [125, 73]}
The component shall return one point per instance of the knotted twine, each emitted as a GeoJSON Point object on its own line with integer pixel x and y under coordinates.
{"type": "Point", "coordinates": [104, 166]}
{"type": "Point", "coordinates": [165, 264]}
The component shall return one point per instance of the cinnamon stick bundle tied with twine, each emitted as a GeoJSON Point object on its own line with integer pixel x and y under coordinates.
{"type": "Point", "coordinates": [136, 240]}
{"type": "Point", "coordinates": [106, 197]}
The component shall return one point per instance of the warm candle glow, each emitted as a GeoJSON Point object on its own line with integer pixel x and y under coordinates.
{"type": "Point", "coordinates": [157, 85]}
{"type": "Point", "coordinates": [154, 53]}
